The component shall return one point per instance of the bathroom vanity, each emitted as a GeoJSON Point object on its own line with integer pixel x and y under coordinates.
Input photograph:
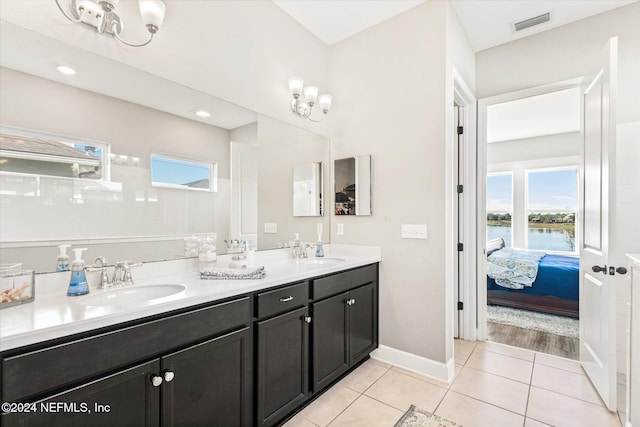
{"type": "Point", "coordinates": [224, 353]}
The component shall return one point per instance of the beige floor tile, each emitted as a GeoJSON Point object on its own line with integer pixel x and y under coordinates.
{"type": "Point", "coordinates": [462, 350]}
{"type": "Point", "coordinates": [401, 391]}
{"type": "Point", "coordinates": [366, 374]}
{"type": "Point", "coordinates": [499, 391]}
{"type": "Point", "coordinates": [528, 422]}
{"type": "Point", "coordinates": [565, 382]}
{"type": "Point", "coordinates": [367, 412]}
{"type": "Point", "coordinates": [329, 405]}
{"type": "Point", "coordinates": [299, 421]}
{"type": "Point", "coordinates": [507, 350]}
{"type": "Point", "coordinates": [559, 362]}
{"type": "Point", "coordinates": [473, 413]}
{"type": "Point", "coordinates": [419, 376]}
{"type": "Point", "coordinates": [499, 364]}
{"type": "Point", "coordinates": [564, 411]}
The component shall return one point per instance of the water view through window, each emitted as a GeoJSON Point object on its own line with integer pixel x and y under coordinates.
{"type": "Point", "coordinates": [550, 208]}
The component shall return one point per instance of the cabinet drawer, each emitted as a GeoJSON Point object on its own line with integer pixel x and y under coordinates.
{"type": "Point", "coordinates": [282, 299]}
{"type": "Point", "coordinates": [44, 370]}
{"type": "Point", "coordinates": [340, 282]}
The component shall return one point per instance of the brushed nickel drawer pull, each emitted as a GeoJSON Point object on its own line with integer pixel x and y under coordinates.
{"type": "Point", "coordinates": [286, 299]}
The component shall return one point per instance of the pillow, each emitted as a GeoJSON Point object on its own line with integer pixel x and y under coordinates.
{"type": "Point", "coordinates": [494, 245]}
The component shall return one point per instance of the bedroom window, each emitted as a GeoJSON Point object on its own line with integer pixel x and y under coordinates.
{"type": "Point", "coordinates": [551, 209]}
{"type": "Point", "coordinates": [500, 207]}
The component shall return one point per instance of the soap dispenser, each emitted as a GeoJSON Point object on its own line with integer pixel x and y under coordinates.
{"type": "Point", "coordinates": [319, 247]}
{"type": "Point", "coordinates": [78, 282]}
{"type": "Point", "coordinates": [63, 258]}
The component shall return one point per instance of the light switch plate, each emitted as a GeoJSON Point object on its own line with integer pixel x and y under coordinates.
{"type": "Point", "coordinates": [340, 229]}
{"type": "Point", "coordinates": [270, 227]}
{"type": "Point", "coordinates": [414, 231]}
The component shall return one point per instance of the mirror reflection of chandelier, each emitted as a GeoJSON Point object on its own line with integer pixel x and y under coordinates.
{"type": "Point", "coordinates": [101, 15]}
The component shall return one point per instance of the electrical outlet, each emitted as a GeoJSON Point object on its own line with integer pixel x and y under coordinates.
{"type": "Point", "coordinates": [414, 231]}
{"type": "Point", "coordinates": [270, 227]}
{"type": "Point", "coordinates": [340, 229]}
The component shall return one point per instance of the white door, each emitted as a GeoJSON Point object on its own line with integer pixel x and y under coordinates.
{"type": "Point", "coordinates": [597, 292]}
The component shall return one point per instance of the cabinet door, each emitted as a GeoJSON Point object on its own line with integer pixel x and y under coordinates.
{"type": "Point", "coordinates": [330, 340]}
{"type": "Point", "coordinates": [209, 384]}
{"type": "Point", "coordinates": [283, 365]}
{"type": "Point", "coordinates": [363, 322]}
{"type": "Point", "coordinates": [126, 398]}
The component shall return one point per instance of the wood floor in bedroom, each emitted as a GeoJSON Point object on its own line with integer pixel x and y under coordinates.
{"type": "Point", "coordinates": [542, 342]}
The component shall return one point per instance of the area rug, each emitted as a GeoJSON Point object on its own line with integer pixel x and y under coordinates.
{"type": "Point", "coordinates": [416, 417]}
{"type": "Point", "coordinates": [549, 323]}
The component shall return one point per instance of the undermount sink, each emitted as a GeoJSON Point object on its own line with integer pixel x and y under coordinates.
{"type": "Point", "coordinates": [133, 295]}
{"type": "Point", "coordinates": [320, 261]}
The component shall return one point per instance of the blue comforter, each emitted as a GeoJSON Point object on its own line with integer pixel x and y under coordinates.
{"type": "Point", "coordinates": [557, 276]}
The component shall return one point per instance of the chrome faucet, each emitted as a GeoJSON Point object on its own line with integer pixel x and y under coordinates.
{"type": "Point", "coordinates": [121, 273]}
{"type": "Point", "coordinates": [299, 251]}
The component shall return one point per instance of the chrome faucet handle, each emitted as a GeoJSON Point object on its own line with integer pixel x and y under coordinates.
{"type": "Point", "coordinates": [124, 268]}
{"type": "Point", "coordinates": [100, 264]}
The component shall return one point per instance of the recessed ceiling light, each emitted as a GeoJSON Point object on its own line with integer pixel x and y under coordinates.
{"type": "Point", "coordinates": [202, 113]}
{"type": "Point", "coordinates": [66, 70]}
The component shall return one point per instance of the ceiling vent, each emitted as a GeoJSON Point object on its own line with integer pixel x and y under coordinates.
{"type": "Point", "coordinates": [528, 23]}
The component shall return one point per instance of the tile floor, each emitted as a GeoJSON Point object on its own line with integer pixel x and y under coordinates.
{"type": "Point", "coordinates": [495, 385]}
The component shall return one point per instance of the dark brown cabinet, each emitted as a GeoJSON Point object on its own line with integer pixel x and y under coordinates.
{"type": "Point", "coordinates": [126, 398]}
{"type": "Point", "coordinates": [254, 359]}
{"type": "Point", "coordinates": [182, 383]}
{"type": "Point", "coordinates": [282, 365]}
{"type": "Point", "coordinates": [344, 332]}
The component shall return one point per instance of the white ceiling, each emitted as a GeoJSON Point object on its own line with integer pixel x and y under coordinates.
{"type": "Point", "coordinates": [548, 114]}
{"type": "Point", "coordinates": [487, 23]}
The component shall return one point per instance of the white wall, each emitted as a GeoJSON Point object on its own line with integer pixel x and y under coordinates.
{"type": "Point", "coordinates": [566, 52]}
{"type": "Point", "coordinates": [280, 147]}
{"type": "Point", "coordinates": [137, 209]}
{"type": "Point", "coordinates": [394, 105]}
{"type": "Point", "coordinates": [534, 152]}
{"type": "Point", "coordinates": [242, 51]}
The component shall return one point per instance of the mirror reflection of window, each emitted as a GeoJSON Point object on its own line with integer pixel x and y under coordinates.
{"type": "Point", "coordinates": [171, 172]}
{"type": "Point", "coordinates": [48, 157]}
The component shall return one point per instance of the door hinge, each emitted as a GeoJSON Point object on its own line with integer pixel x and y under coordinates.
{"type": "Point", "coordinates": [459, 188]}
{"type": "Point", "coordinates": [460, 247]}
{"type": "Point", "coordinates": [460, 305]}
{"type": "Point", "coordinates": [459, 129]}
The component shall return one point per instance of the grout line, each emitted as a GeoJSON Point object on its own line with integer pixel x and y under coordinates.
{"type": "Point", "coordinates": [488, 403]}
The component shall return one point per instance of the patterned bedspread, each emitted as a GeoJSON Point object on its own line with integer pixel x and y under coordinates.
{"type": "Point", "coordinates": [514, 268]}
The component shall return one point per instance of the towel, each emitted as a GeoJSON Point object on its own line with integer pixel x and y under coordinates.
{"type": "Point", "coordinates": [233, 273]}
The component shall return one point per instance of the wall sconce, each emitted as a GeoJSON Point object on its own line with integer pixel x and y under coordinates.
{"type": "Point", "coordinates": [101, 15]}
{"type": "Point", "coordinates": [303, 105]}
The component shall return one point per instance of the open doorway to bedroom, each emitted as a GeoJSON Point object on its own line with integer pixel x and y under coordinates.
{"type": "Point", "coordinates": [532, 164]}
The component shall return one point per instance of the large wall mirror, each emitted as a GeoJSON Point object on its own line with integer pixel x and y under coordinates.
{"type": "Point", "coordinates": [110, 202]}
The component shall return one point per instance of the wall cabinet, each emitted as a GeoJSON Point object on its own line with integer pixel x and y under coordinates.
{"type": "Point", "coordinates": [253, 360]}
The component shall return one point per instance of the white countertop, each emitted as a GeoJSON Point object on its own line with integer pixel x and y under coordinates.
{"type": "Point", "coordinates": [53, 314]}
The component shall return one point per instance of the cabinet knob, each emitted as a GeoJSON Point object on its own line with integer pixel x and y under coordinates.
{"type": "Point", "coordinates": [351, 301]}
{"type": "Point", "coordinates": [307, 319]}
{"type": "Point", "coordinates": [169, 376]}
{"type": "Point", "coordinates": [156, 380]}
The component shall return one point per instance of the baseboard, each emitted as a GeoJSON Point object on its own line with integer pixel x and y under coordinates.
{"type": "Point", "coordinates": [413, 362]}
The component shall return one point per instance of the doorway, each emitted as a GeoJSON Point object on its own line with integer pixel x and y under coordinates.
{"type": "Point", "coordinates": [529, 287]}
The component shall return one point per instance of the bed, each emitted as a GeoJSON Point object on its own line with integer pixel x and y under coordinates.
{"type": "Point", "coordinates": [554, 290]}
